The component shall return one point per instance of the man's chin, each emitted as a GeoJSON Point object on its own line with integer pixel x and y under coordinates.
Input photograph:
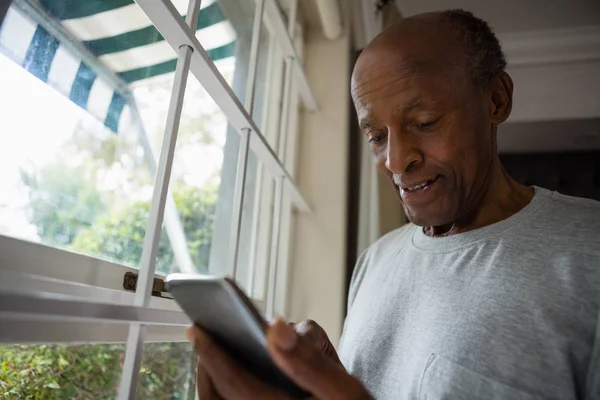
{"type": "Point", "coordinates": [425, 217]}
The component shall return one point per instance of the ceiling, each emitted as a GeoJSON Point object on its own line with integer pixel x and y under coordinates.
{"type": "Point", "coordinates": [516, 15]}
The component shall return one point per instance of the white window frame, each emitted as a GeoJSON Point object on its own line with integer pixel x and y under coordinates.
{"type": "Point", "coordinates": [53, 295]}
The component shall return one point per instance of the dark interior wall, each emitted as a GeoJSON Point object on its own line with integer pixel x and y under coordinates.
{"type": "Point", "coordinates": [571, 173]}
{"type": "Point", "coordinates": [353, 191]}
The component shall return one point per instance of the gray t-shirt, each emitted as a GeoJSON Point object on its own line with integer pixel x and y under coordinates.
{"type": "Point", "coordinates": [508, 311]}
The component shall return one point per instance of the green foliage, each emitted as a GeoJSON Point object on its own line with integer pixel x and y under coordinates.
{"type": "Point", "coordinates": [69, 211]}
{"type": "Point", "coordinates": [168, 372]}
{"type": "Point", "coordinates": [93, 371]}
{"type": "Point", "coordinates": [119, 235]}
{"type": "Point", "coordinates": [62, 202]}
{"type": "Point", "coordinates": [197, 209]}
{"type": "Point", "coordinates": [60, 371]}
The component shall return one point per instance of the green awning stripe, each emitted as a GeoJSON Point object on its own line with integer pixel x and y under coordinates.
{"type": "Point", "coordinates": [113, 114]}
{"type": "Point", "coordinates": [210, 15]}
{"type": "Point", "coordinates": [40, 54]}
{"type": "Point", "coordinates": [82, 85]}
{"type": "Point", "coordinates": [69, 9]}
{"type": "Point", "coordinates": [148, 72]}
{"type": "Point", "coordinates": [169, 66]}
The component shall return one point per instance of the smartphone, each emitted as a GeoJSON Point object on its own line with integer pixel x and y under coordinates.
{"type": "Point", "coordinates": [221, 309]}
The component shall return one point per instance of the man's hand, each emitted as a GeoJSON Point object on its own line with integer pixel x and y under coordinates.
{"type": "Point", "coordinates": [302, 351]}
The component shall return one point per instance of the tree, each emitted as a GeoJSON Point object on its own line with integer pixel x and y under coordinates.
{"type": "Point", "coordinates": [93, 371]}
{"type": "Point", "coordinates": [119, 235]}
{"type": "Point", "coordinates": [60, 371]}
{"type": "Point", "coordinates": [62, 202]}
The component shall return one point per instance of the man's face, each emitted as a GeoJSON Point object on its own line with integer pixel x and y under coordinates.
{"type": "Point", "coordinates": [427, 124]}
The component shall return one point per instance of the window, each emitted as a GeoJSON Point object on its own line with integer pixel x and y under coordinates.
{"type": "Point", "coordinates": [125, 153]}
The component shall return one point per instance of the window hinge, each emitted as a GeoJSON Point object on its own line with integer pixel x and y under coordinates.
{"type": "Point", "coordinates": [130, 283]}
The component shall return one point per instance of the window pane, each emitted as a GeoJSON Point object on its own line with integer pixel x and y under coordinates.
{"type": "Point", "coordinates": [168, 372]}
{"type": "Point", "coordinates": [67, 180]}
{"type": "Point", "coordinates": [266, 114]}
{"type": "Point", "coordinates": [77, 169]}
{"type": "Point", "coordinates": [195, 178]}
{"type": "Point", "coordinates": [58, 371]}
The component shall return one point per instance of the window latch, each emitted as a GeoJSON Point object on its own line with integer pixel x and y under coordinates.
{"type": "Point", "coordinates": [130, 280]}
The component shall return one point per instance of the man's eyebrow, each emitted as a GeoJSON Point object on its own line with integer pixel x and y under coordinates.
{"type": "Point", "coordinates": [417, 101]}
{"type": "Point", "coordinates": [366, 123]}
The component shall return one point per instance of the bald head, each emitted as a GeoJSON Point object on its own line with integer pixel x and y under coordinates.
{"type": "Point", "coordinates": [452, 37]}
{"type": "Point", "coordinates": [429, 93]}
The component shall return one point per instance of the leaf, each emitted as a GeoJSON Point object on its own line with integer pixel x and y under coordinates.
{"type": "Point", "coordinates": [52, 385]}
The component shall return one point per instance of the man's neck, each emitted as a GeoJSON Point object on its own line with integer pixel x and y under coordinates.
{"type": "Point", "coordinates": [502, 198]}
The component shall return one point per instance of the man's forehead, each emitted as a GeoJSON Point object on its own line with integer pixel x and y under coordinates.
{"type": "Point", "coordinates": [418, 45]}
{"type": "Point", "coordinates": [383, 67]}
{"type": "Point", "coordinates": [404, 79]}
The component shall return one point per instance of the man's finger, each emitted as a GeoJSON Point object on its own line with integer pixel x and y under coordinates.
{"type": "Point", "coordinates": [206, 390]}
{"type": "Point", "coordinates": [308, 367]}
{"type": "Point", "coordinates": [228, 378]}
{"type": "Point", "coordinates": [316, 335]}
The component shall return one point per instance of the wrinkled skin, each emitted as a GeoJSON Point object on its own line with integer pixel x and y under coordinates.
{"type": "Point", "coordinates": [426, 119]}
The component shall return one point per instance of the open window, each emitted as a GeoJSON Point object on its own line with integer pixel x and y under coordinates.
{"type": "Point", "coordinates": [140, 139]}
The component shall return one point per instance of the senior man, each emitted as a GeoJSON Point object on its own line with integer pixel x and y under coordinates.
{"type": "Point", "coordinates": [492, 290]}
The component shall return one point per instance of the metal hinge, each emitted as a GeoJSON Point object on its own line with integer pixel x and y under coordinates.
{"type": "Point", "coordinates": [130, 283]}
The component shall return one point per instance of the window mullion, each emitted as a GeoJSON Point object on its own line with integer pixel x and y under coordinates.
{"type": "Point", "coordinates": [279, 183]}
{"type": "Point", "coordinates": [163, 14]}
{"type": "Point", "coordinates": [135, 339]}
{"type": "Point", "coordinates": [287, 46]}
{"type": "Point", "coordinates": [242, 161]}
{"type": "Point", "coordinates": [253, 62]}
{"type": "Point", "coordinates": [274, 251]}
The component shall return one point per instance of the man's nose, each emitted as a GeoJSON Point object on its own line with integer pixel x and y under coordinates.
{"type": "Point", "coordinates": [401, 153]}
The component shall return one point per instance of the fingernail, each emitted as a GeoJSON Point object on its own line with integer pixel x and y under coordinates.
{"type": "Point", "coordinates": [285, 337]}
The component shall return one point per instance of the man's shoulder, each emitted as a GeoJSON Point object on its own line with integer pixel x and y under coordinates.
{"type": "Point", "coordinates": [383, 247]}
{"type": "Point", "coordinates": [568, 211]}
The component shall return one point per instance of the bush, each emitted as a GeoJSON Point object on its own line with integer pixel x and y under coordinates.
{"type": "Point", "coordinates": [93, 371]}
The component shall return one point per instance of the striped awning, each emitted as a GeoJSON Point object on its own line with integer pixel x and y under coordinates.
{"type": "Point", "coordinates": [116, 32]}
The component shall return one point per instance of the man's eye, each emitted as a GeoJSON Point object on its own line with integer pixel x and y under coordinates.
{"type": "Point", "coordinates": [426, 124]}
{"type": "Point", "coordinates": [376, 138]}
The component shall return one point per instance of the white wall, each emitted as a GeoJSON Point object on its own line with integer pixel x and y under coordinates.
{"type": "Point", "coordinates": [556, 91]}
{"type": "Point", "coordinates": [318, 270]}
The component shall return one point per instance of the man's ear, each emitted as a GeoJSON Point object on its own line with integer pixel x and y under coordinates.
{"type": "Point", "coordinates": [500, 90]}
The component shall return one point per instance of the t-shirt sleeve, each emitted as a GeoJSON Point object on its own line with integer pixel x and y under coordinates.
{"type": "Point", "coordinates": [357, 276]}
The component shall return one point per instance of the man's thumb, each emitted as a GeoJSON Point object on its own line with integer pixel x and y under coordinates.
{"type": "Point", "coordinates": [305, 364]}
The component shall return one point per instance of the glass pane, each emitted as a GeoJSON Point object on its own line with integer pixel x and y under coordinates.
{"type": "Point", "coordinates": [67, 180]}
{"type": "Point", "coordinates": [266, 114]}
{"type": "Point", "coordinates": [262, 230]}
{"type": "Point", "coordinates": [168, 372]}
{"type": "Point", "coordinates": [77, 167]}
{"type": "Point", "coordinates": [228, 40]}
{"type": "Point", "coordinates": [58, 371]}
{"type": "Point", "coordinates": [196, 175]}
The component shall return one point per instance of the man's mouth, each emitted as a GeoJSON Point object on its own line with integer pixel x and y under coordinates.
{"type": "Point", "coordinates": [420, 186]}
